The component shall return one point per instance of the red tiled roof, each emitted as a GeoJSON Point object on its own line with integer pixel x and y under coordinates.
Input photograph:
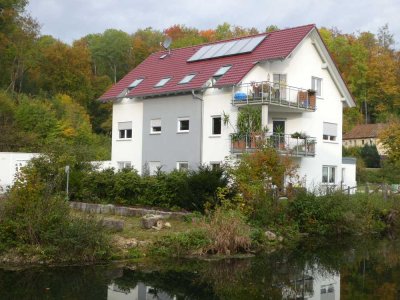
{"type": "Point", "coordinates": [277, 44]}
{"type": "Point", "coordinates": [364, 131]}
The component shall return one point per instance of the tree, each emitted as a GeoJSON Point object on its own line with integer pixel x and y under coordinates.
{"type": "Point", "coordinates": [390, 138]}
{"type": "Point", "coordinates": [112, 53]}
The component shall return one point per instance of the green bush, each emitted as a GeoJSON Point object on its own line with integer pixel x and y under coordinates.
{"type": "Point", "coordinates": [33, 219]}
{"type": "Point", "coordinates": [193, 190]}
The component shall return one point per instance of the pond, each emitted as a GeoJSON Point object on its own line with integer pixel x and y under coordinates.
{"type": "Point", "coordinates": [355, 269]}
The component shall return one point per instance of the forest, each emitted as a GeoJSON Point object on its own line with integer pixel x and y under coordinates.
{"type": "Point", "coordinates": [49, 89]}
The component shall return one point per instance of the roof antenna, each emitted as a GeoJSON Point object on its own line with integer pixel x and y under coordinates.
{"type": "Point", "coordinates": [166, 44]}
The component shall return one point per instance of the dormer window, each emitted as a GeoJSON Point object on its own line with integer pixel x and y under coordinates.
{"type": "Point", "coordinates": [187, 78]}
{"type": "Point", "coordinates": [162, 82]}
{"type": "Point", "coordinates": [135, 83]}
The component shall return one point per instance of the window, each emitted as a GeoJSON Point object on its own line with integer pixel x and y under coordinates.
{"type": "Point", "coordinates": [329, 131]}
{"type": "Point", "coordinates": [183, 125]}
{"type": "Point", "coordinates": [362, 142]}
{"type": "Point", "coordinates": [216, 125]}
{"type": "Point", "coordinates": [154, 167]}
{"type": "Point", "coordinates": [187, 78]}
{"type": "Point", "coordinates": [155, 126]}
{"type": "Point", "coordinates": [215, 166]}
{"type": "Point", "coordinates": [162, 82]}
{"type": "Point", "coordinates": [182, 165]}
{"type": "Point", "coordinates": [125, 130]}
{"type": "Point", "coordinates": [280, 86]}
{"type": "Point", "coordinates": [328, 174]}
{"type": "Point", "coordinates": [316, 85]}
{"type": "Point", "coordinates": [124, 165]}
{"type": "Point", "coordinates": [135, 83]}
{"type": "Point", "coordinates": [221, 72]}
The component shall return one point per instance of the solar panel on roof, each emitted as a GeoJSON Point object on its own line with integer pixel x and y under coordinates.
{"type": "Point", "coordinates": [238, 46]}
{"type": "Point", "coordinates": [211, 53]}
{"type": "Point", "coordinates": [254, 42]}
{"type": "Point", "coordinates": [200, 53]}
{"type": "Point", "coordinates": [227, 48]}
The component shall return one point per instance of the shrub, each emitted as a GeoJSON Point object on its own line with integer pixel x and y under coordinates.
{"type": "Point", "coordinates": [32, 218]}
{"type": "Point", "coordinates": [180, 244]}
{"type": "Point", "coordinates": [227, 231]}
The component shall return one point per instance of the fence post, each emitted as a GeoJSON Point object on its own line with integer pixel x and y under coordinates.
{"type": "Point", "coordinates": [385, 191]}
{"type": "Point", "coordinates": [366, 188]}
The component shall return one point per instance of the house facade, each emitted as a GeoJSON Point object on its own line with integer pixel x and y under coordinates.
{"type": "Point", "coordinates": [365, 134]}
{"type": "Point", "coordinates": [179, 108]}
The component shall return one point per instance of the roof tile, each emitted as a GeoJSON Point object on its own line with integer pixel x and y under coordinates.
{"type": "Point", "coordinates": [277, 44]}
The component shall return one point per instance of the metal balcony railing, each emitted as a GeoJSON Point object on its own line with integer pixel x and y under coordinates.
{"type": "Point", "coordinates": [284, 143]}
{"type": "Point", "coordinates": [266, 92]}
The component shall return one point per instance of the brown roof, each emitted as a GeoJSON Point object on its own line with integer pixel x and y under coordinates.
{"type": "Point", "coordinates": [364, 131]}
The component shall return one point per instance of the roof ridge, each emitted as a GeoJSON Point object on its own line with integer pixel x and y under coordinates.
{"type": "Point", "coordinates": [236, 38]}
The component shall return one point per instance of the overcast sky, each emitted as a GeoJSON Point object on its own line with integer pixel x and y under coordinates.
{"type": "Point", "coordinates": [71, 19]}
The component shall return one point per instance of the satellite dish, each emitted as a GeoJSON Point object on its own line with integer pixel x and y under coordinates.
{"type": "Point", "coordinates": [167, 43]}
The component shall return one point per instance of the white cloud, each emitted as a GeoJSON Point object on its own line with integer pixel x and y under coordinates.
{"type": "Point", "coordinates": [70, 20]}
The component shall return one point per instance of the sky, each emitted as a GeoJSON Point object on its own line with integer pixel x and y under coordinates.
{"type": "Point", "coordinates": [69, 20]}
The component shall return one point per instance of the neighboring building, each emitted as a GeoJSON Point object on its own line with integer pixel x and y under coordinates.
{"type": "Point", "coordinates": [365, 134]}
{"type": "Point", "coordinates": [10, 165]}
{"type": "Point", "coordinates": [169, 111]}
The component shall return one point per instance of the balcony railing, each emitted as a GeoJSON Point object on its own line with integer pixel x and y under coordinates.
{"type": "Point", "coordinates": [266, 92]}
{"type": "Point", "coordinates": [284, 143]}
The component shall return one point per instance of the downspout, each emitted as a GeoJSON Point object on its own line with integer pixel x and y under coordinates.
{"type": "Point", "coordinates": [201, 124]}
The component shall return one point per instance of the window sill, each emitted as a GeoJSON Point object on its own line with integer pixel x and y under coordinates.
{"type": "Point", "coordinates": [155, 133]}
{"type": "Point", "coordinates": [124, 140]}
{"type": "Point", "coordinates": [213, 136]}
{"type": "Point", "coordinates": [320, 97]}
{"type": "Point", "coordinates": [330, 142]}
{"type": "Point", "coordinates": [185, 131]}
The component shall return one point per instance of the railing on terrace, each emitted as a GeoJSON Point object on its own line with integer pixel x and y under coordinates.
{"type": "Point", "coordinates": [284, 143]}
{"type": "Point", "coordinates": [266, 92]}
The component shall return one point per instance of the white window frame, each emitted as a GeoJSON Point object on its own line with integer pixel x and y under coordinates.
{"type": "Point", "coordinates": [154, 166]}
{"type": "Point", "coordinates": [215, 164]}
{"type": "Point", "coordinates": [124, 165]}
{"type": "Point", "coordinates": [124, 132]}
{"type": "Point", "coordinates": [153, 124]}
{"type": "Point", "coordinates": [188, 78]}
{"type": "Point", "coordinates": [179, 130]}
{"type": "Point", "coordinates": [163, 82]}
{"type": "Point", "coordinates": [329, 174]}
{"type": "Point", "coordinates": [329, 137]}
{"type": "Point", "coordinates": [212, 125]}
{"type": "Point", "coordinates": [179, 165]}
{"type": "Point", "coordinates": [314, 86]}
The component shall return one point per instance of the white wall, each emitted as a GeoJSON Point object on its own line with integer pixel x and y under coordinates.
{"type": "Point", "coordinates": [10, 164]}
{"type": "Point", "coordinates": [216, 102]}
{"type": "Point", "coordinates": [127, 150]}
{"type": "Point", "coordinates": [304, 63]}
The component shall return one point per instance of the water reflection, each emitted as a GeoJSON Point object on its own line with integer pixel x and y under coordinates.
{"type": "Point", "coordinates": [358, 270]}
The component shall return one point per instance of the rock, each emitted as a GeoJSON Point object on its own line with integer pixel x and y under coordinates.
{"type": "Point", "coordinates": [125, 243]}
{"type": "Point", "coordinates": [116, 225]}
{"type": "Point", "coordinates": [270, 235]}
{"type": "Point", "coordinates": [167, 225]}
{"type": "Point", "coordinates": [148, 221]}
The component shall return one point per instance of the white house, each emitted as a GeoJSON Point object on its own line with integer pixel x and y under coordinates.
{"type": "Point", "coordinates": [168, 112]}
{"type": "Point", "coordinates": [10, 164]}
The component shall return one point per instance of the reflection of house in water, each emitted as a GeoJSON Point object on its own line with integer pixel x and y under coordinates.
{"type": "Point", "coordinates": [316, 286]}
{"type": "Point", "coordinates": [139, 292]}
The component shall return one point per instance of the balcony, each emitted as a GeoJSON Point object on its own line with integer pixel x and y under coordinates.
{"type": "Point", "coordinates": [274, 94]}
{"type": "Point", "coordinates": [283, 143]}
